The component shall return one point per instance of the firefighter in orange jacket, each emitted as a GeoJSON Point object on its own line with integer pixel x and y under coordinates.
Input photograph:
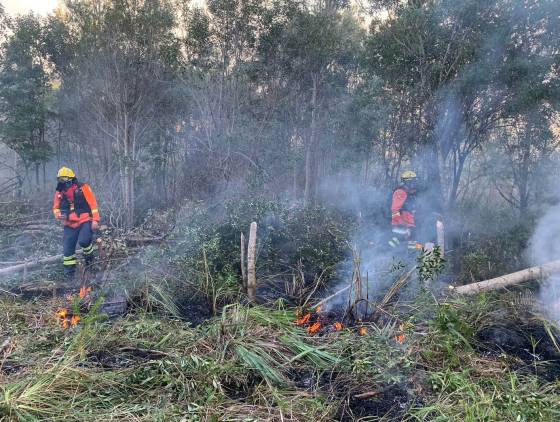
{"type": "Point", "coordinates": [75, 205]}
{"type": "Point", "coordinates": [403, 210]}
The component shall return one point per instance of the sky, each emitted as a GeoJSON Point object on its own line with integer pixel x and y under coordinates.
{"type": "Point", "coordinates": [23, 6]}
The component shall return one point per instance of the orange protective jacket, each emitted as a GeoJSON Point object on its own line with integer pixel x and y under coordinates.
{"type": "Point", "coordinates": [75, 219]}
{"type": "Point", "coordinates": [402, 209]}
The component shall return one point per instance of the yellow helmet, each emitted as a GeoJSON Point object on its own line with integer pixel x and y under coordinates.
{"type": "Point", "coordinates": [408, 175]}
{"type": "Point", "coordinates": [66, 172]}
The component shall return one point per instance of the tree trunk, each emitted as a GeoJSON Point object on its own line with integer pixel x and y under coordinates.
{"type": "Point", "coordinates": [308, 175]}
{"type": "Point", "coordinates": [127, 173]}
{"type": "Point", "coordinates": [311, 164]}
{"type": "Point", "coordinates": [37, 177]}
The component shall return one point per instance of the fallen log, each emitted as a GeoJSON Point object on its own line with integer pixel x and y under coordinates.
{"type": "Point", "coordinates": [30, 265]}
{"type": "Point", "coordinates": [533, 273]}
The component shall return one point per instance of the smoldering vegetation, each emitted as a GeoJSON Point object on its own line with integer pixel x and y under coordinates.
{"type": "Point", "coordinates": [193, 120]}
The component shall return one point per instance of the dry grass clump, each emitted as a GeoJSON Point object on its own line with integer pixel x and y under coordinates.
{"type": "Point", "coordinates": [144, 367]}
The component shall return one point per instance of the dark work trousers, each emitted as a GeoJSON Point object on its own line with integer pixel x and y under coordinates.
{"type": "Point", "coordinates": [404, 247]}
{"type": "Point", "coordinates": [72, 236]}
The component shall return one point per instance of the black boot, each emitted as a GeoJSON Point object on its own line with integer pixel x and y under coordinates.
{"type": "Point", "coordinates": [69, 273]}
{"type": "Point", "coordinates": [88, 259]}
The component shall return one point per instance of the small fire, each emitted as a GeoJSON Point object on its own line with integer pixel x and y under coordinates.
{"type": "Point", "coordinates": [304, 319]}
{"type": "Point", "coordinates": [362, 331]}
{"type": "Point", "coordinates": [66, 317]}
{"type": "Point", "coordinates": [84, 291]}
{"type": "Point", "coordinates": [67, 320]}
{"type": "Point", "coordinates": [314, 328]}
{"type": "Point", "coordinates": [62, 313]}
{"type": "Point", "coordinates": [400, 338]}
{"type": "Point", "coordinates": [75, 320]}
{"type": "Point", "coordinates": [314, 321]}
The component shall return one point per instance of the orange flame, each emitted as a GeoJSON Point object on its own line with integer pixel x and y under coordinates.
{"type": "Point", "coordinates": [399, 338]}
{"type": "Point", "coordinates": [304, 320]}
{"type": "Point", "coordinates": [338, 326]}
{"type": "Point", "coordinates": [62, 313]}
{"type": "Point", "coordinates": [84, 291]}
{"type": "Point", "coordinates": [314, 328]}
{"type": "Point", "coordinates": [362, 331]}
{"type": "Point", "coordinates": [66, 320]}
{"type": "Point", "coordinates": [75, 320]}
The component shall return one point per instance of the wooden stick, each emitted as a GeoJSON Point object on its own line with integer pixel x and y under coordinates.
{"type": "Point", "coordinates": [141, 241]}
{"type": "Point", "coordinates": [325, 300]}
{"type": "Point", "coordinates": [533, 273]}
{"type": "Point", "coordinates": [243, 265]}
{"type": "Point", "coordinates": [367, 395]}
{"type": "Point", "coordinates": [440, 230]}
{"type": "Point", "coordinates": [251, 263]}
{"type": "Point", "coordinates": [397, 286]}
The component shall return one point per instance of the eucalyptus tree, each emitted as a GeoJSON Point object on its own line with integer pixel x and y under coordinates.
{"type": "Point", "coordinates": [25, 93]}
{"type": "Point", "coordinates": [526, 146]}
{"type": "Point", "coordinates": [233, 78]}
{"type": "Point", "coordinates": [315, 56]}
{"type": "Point", "coordinates": [459, 68]}
{"type": "Point", "coordinates": [116, 60]}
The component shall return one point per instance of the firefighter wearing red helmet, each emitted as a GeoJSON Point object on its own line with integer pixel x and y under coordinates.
{"type": "Point", "coordinates": [76, 206]}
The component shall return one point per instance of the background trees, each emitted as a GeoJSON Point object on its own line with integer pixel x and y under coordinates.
{"type": "Point", "coordinates": [25, 96]}
{"type": "Point", "coordinates": [156, 101]}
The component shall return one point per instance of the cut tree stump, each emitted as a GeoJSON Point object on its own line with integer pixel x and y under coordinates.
{"type": "Point", "coordinates": [251, 263]}
{"type": "Point", "coordinates": [533, 273]}
{"type": "Point", "coordinates": [243, 264]}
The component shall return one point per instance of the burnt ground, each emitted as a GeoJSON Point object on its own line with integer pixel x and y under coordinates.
{"type": "Point", "coordinates": [123, 358]}
{"type": "Point", "coordinates": [8, 367]}
{"type": "Point", "coordinates": [364, 400]}
{"type": "Point", "coordinates": [389, 401]}
{"type": "Point", "coordinates": [523, 337]}
{"type": "Point", "coordinates": [194, 310]}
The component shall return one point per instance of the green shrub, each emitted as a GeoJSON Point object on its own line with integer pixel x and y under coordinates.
{"type": "Point", "coordinates": [207, 243]}
{"type": "Point", "coordinates": [485, 255]}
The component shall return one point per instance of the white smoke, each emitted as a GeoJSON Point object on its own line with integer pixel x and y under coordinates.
{"type": "Point", "coordinates": [545, 247]}
{"type": "Point", "coordinates": [368, 250]}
